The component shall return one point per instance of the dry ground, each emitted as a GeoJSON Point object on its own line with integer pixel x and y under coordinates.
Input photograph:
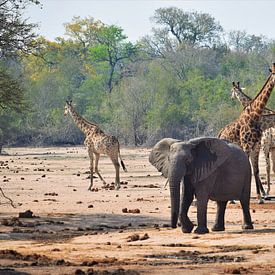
{"type": "Point", "coordinates": [75, 231]}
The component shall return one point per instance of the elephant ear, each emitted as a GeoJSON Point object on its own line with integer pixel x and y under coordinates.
{"type": "Point", "coordinates": [208, 154]}
{"type": "Point", "coordinates": [159, 156]}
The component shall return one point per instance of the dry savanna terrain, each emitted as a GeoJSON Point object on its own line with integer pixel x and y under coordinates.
{"type": "Point", "coordinates": [59, 227]}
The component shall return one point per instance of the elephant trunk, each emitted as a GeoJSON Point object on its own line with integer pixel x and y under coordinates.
{"type": "Point", "coordinates": [174, 181]}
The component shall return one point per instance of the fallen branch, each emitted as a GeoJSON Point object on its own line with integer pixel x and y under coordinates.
{"type": "Point", "coordinates": [11, 201]}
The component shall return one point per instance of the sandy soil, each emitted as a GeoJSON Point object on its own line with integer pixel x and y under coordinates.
{"type": "Point", "coordinates": [74, 231]}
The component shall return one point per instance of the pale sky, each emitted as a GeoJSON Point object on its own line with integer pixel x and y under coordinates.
{"type": "Point", "coordinates": [253, 16]}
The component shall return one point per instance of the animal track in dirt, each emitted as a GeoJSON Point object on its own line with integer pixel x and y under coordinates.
{"type": "Point", "coordinates": [51, 194]}
{"type": "Point", "coordinates": [31, 259]}
{"type": "Point", "coordinates": [234, 248]}
{"type": "Point", "coordinates": [120, 271]}
{"type": "Point", "coordinates": [146, 186]}
{"type": "Point", "coordinates": [196, 257]}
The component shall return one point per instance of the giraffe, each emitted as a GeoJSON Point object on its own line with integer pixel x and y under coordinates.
{"type": "Point", "coordinates": [267, 122]}
{"type": "Point", "coordinates": [97, 142]}
{"type": "Point", "coordinates": [246, 130]}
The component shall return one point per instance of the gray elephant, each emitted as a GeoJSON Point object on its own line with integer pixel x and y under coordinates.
{"type": "Point", "coordinates": [210, 168]}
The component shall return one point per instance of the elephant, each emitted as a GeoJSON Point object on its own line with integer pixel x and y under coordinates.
{"type": "Point", "coordinates": [209, 168]}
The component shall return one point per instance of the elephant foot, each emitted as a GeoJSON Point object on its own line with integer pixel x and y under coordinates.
{"type": "Point", "coordinates": [187, 227]}
{"type": "Point", "coordinates": [201, 230]}
{"type": "Point", "coordinates": [247, 226]}
{"type": "Point", "coordinates": [260, 201]}
{"type": "Point", "coordinates": [218, 227]}
{"type": "Point", "coordinates": [117, 187]}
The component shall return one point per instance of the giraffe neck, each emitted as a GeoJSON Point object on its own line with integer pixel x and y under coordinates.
{"type": "Point", "coordinates": [243, 98]}
{"type": "Point", "coordinates": [258, 104]}
{"type": "Point", "coordinates": [84, 125]}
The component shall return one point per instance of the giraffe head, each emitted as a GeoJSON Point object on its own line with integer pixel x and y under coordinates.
{"type": "Point", "coordinates": [67, 107]}
{"type": "Point", "coordinates": [235, 90]}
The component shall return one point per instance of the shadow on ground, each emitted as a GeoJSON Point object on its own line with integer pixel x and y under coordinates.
{"type": "Point", "coordinates": [65, 226]}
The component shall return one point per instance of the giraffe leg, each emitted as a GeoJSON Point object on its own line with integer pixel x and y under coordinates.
{"type": "Point", "coordinates": [96, 168]}
{"type": "Point", "coordinates": [255, 166]}
{"type": "Point", "coordinates": [114, 159]}
{"type": "Point", "coordinates": [267, 164]}
{"type": "Point", "coordinates": [91, 155]}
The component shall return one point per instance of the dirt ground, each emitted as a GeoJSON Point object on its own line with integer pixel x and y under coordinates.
{"type": "Point", "coordinates": [74, 231]}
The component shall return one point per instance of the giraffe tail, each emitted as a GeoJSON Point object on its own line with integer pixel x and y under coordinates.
{"type": "Point", "coordinates": [122, 164]}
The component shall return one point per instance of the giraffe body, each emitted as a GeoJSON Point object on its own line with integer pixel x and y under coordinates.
{"type": "Point", "coordinates": [246, 130]}
{"type": "Point", "coordinates": [267, 122]}
{"type": "Point", "coordinates": [97, 143]}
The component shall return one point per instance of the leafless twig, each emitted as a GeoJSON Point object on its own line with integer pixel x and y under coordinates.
{"type": "Point", "coordinates": [11, 201]}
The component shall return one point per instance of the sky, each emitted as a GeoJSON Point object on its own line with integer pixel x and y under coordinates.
{"type": "Point", "coordinates": [133, 16]}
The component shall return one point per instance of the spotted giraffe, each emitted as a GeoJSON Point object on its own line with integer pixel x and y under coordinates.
{"type": "Point", "coordinates": [267, 121]}
{"type": "Point", "coordinates": [246, 130]}
{"type": "Point", "coordinates": [97, 142]}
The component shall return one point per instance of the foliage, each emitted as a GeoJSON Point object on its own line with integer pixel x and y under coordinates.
{"type": "Point", "coordinates": [15, 33]}
{"type": "Point", "coordinates": [189, 27]}
{"type": "Point", "coordinates": [174, 83]}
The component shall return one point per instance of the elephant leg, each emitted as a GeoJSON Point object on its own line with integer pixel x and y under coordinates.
{"type": "Point", "coordinates": [255, 166]}
{"type": "Point", "coordinates": [116, 165]}
{"type": "Point", "coordinates": [96, 168]}
{"type": "Point", "coordinates": [246, 213]}
{"type": "Point", "coordinates": [187, 198]}
{"type": "Point", "coordinates": [219, 222]}
{"type": "Point", "coordinates": [202, 200]}
{"type": "Point", "coordinates": [91, 155]}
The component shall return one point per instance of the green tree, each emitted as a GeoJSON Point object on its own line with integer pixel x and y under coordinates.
{"type": "Point", "coordinates": [189, 27]}
{"type": "Point", "coordinates": [113, 49]}
{"type": "Point", "coordinates": [16, 37]}
{"type": "Point", "coordinates": [105, 45]}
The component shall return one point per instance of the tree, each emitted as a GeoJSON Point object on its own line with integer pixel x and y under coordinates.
{"type": "Point", "coordinates": [105, 45]}
{"type": "Point", "coordinates": [15, 33]}
{"type": "Point", "coordinates": [11, 93]}
{"type": "Point", "coordinates": [241, 41]}
{"type": "Point", "coordinates": [189, 27]}
{"type": "Point", "coordinates": [16, 37]}
{"type": "Point", "coordinates": [112, 49]}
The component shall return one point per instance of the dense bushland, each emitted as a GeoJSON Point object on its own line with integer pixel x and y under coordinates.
{"type": "Point", "coordinates": [174, 83]}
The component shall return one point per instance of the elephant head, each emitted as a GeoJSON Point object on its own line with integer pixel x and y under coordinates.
{"type": "Point", "coordinates": [198, 159]}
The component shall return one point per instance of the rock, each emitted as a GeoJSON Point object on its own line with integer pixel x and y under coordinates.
{"type": "Point", "coordinates": [26, 214]}
{"type": "Point", "coordinates": [134, 211]}
{"type": "Point", "coordinates": [144, 237]}
{"type": "Point", "coordinates": [79, 272]}
{"type": "Point", "coordinates": [133, 238]}
{"type": "Point", "coordinates": [124, 210]}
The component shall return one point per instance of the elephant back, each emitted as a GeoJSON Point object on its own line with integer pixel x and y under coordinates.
{"type": "Point", "coordinates": [209, 154]}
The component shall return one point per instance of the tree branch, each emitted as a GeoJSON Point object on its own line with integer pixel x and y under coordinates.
{"type": "Point", "coordinates": [11, 201]}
